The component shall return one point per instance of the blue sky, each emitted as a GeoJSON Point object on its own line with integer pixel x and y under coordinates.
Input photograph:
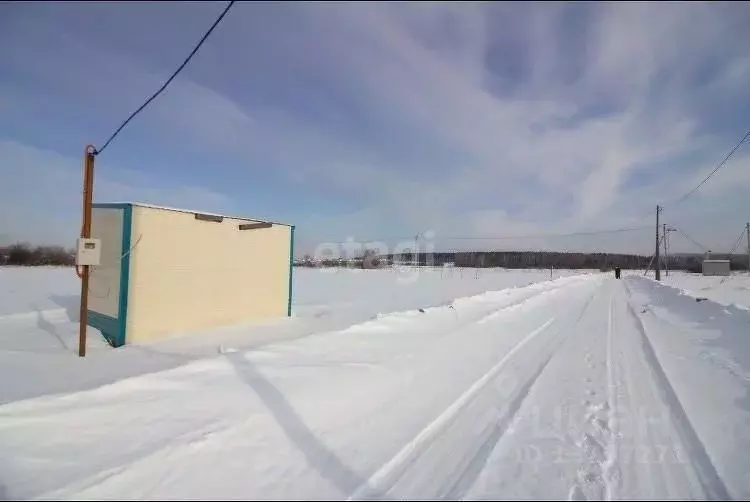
{"type": "Point", "coordinates": [377, 121]}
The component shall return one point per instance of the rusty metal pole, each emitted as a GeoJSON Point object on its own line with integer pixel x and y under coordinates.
{"type": "Point", "coordinates": [88, 195]}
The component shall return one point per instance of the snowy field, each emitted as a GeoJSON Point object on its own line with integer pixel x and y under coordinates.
{"type": "Point", "coordinates": [733, 290]}
{"type": "Point", "coordinates": [39, 320]}
{"type": "Point", "coordinates": [507, 385]}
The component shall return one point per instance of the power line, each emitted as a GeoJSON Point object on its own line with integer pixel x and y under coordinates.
{"type": "Point", "coordinates": [684, 234]}
{"type": "Point", "coordinates": [734, 246]}
{"type": "Point", "coordinates": [737, 242]}
{"type": "Point", "coordinates": [697, 187]}
{"type": "Point", "coordinates": [719, 166]}
{"type": "Point", "coordinates": [169, 80]}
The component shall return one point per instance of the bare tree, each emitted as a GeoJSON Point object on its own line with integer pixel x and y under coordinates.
{"type": "Point", "coordinates": [370, 259]}
{"type": "Point", "coordinates": [24, 254]}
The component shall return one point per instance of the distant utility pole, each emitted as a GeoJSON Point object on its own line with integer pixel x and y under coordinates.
{"type": "Point", "coordinates": [657, 263]}
{"type": "Point", "coordinates": [747, 230]}
{"type": "Point", "coordinates": [415, 256]}
{"type": "Point", "coordinates": [666, 253]}
{"type": "Point", "coordinates": [665, 238]}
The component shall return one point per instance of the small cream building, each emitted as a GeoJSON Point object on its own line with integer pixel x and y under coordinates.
{"type": "Point", "coordinates": [716, 267]}
{"type": "Point", "coordinates": [165, 271]}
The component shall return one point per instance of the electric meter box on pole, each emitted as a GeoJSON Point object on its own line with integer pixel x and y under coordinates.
{"type": "Point", "coordinates": [88, 251]}
{"type": "Point", "coordinates": [165, 271]}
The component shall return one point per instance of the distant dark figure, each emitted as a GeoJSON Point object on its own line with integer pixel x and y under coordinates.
{"type": "Point", "coordinates": [617, 272]}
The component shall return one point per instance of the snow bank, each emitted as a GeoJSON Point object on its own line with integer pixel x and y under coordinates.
{"type": "Point", "coordinates": [584, 387]}
{"type": "Point", "coordinates": [730, 290]}
{"type": "Point", "coordinates": [39, 313]}
{"type": "Point", "coordinates": [704, 350]}
{"type": "Point", "coordinates": [306, 418]}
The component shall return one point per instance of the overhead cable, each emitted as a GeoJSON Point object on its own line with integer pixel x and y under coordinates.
{"type": "Point", "coordinates": [685, 235]}
{"type": "Point", "coordinates": [737, 242]}
{"type": "Point", "coordinates": [169, 80]}
{"type": "Point", "coordinates": [719, 166]}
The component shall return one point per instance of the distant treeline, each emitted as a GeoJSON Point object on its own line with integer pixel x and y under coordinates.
{"type": "Point", "coordinates": [527, 259]}
{"type": "Point", "coordinates": [28, 255]}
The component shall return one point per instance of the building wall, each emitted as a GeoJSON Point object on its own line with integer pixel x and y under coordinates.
{"type": "Point", "coordinates": [187, 274]}
{"type": "Point", "coordinates": [107, 295]}
{"type": "Point", "coordinates": [716, 267]}
{"type": "Point", "coordinates": [104, 279]}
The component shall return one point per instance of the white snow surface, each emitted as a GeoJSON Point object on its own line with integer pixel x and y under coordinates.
{"type": "Point", "coordinates": [506, 385]}
{"type": "Point", "coordinates": [732, 290]}
{"type": "Point", "coordinates": [39, 320]}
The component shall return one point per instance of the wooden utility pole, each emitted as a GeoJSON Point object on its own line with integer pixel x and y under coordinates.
{"type": "Point", "coordinates": [657, 264]}
{"type": "Point", "coordinates": [415, 255]}
{"type": "Point", "coordinates": [88, 195]}
{"type": "Point", "coordinates": [666, 252]}
{"type": "Point", "coordinates": [747, 230]}
{"type": "Point", "coordinates": [667, 230]}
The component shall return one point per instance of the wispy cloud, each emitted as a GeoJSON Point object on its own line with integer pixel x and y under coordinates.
{"type": "Point", "coordinates": [41, 187]}
{"type": "Point", "coordinates": [374, 119]}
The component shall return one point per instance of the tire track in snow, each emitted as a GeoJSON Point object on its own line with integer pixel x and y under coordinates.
{"type": "Point", "coordinates": [478, 462]}
{"type": "Point", "coordinates": [612, 474]}
{"type": "Point", "coordinates": [711, 483]}
{"type": "Point", "coordinates": [469, 474]}
{"type": "Point", "coordinates": [535, 294]}
{"type": "Point", "coordinates": [399, 471]}
{"type": "Point", "coordinates": [546, 289]}
{"type": "Point", "coordinates": [526, 294]}
{"type": "Point", "coordinates": [597, 475]}
{"type": "Point", "coordinates": [164, 447]}
{"type": "Point", "coordinates": [531, 293]}
{"type": "Point", "coordinates": [489, 454]}
{"type": "Point", "coordinates": [389, 472]}
{"type": "Point", "coordinates": [600, 443]}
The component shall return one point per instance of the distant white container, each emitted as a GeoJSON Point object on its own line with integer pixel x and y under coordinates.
{"type": "Point", "coordinates": [165, 271]}
{"type": "Point", "coordinates": [716, 267]}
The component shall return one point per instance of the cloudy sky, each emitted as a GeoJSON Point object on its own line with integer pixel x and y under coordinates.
{"type": "Point", "coordinates": [379, 121]}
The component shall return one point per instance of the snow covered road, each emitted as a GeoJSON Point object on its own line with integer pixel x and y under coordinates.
{"type": "Point", "coordinates": [580, 388]}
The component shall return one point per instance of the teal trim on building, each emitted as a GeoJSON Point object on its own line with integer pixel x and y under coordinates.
{"type": "Point", "coordinates": [109, 326]}
{"type": "Point", "coordinates": [122, 311]}
{"type": "Point", "coordinates": [106, 205]}
{"type": "Point", "coordinates": [291, 271]}
{"type": "Point", "coordinates": [113, 329]}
